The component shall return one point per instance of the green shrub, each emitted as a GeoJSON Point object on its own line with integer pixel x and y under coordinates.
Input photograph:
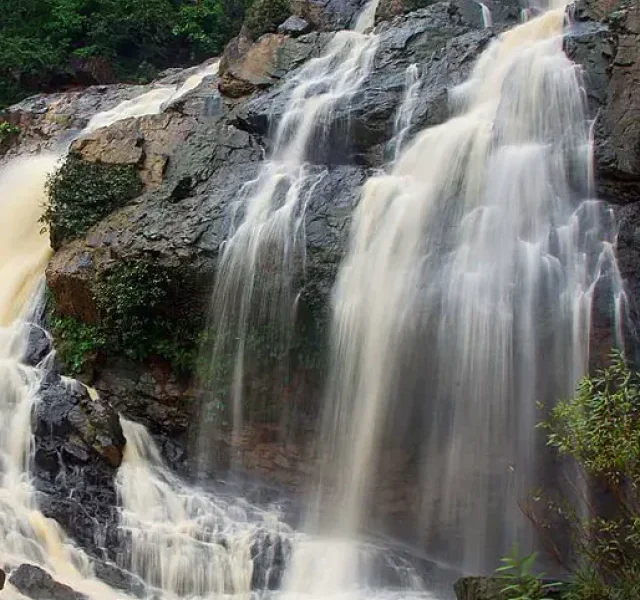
{"type": "Point", "coordinates": [136, 314]}
{"type": "Point", "coordinates": [81, 194]}
{"type": "Point", "coordinates": [76, 343]}
{"type": "Point", "coordinates": [520, 581]}
{"type": "Point", "coordinates": [264, 16]}
{"type": "Point", "coordinates": [8, 131]}
{"type": "Point", "coordinates": [42, 40]}
{"type": "Point", "coordinates": [599, 431]}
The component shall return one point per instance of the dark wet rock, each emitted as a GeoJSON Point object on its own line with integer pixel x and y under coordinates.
{"type": "Point", "coordinates": [294, 26]}
{"type": "Point", "coordinates": [328, 15]}
{"type": "Point", "coordinates": [607, 45]}
{"type": "Point", "coordinates": [39, 345]}
{"type": "Point", "coordinates": [120, 579]}
{"type": "Point", "coordinates": [270, 554]}
{"type": "Point", "coordinates": [36, 583]}
{"type": "Point", "coordinates": [85, 427]}
{"type": "Point", "coordinates": [504, 13]}
{"type": "Point", "coordinates": [78, 446]}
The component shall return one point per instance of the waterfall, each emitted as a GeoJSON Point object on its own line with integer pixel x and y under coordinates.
{"type": "Point", "coordinates": [404, 115]}
{"type": "Point", "coordinates": [26, 536]}
{"type": "Point", "coordinates": [265, 249]}
{"type": "Point", "coordinates": [465, 297]}
{"type": "Point", "coordinates": [187, 542]}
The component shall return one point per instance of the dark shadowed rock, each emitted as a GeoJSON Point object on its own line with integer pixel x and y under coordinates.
{"type": "Point", "coordinates": [606, 43]}
{"type": "Point", "coordinates": [36, 583]}
{"type": "Point", "coordinates": [39, 345]}
{"type": "Point", "coordinates": [3, 577]}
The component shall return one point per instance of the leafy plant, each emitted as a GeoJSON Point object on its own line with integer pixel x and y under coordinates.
{"type": "Point", "coordinates": [598, 433]}
{"type": "Point", "coordinates": [76, 343]}
{"type": "Point", "coordinates": [8, 131]}
{"type": "Point", "coordinates": [43, 42]}
{"type": "Point", "coordinates": [82, 193]}
{"type": "Point", "coordinates": [520, 582]}
{"type": "Point", "coordinates": [137, 315]}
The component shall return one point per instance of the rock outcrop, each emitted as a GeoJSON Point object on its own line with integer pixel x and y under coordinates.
{"type": "Point", "coordinates": [37, 584]}
{"type": "Point", "coordinates": [78, 446]}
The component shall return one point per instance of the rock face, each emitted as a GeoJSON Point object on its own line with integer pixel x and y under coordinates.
{"type": "Point", "coordinates": [36, 583]}
{"type": "Point", "coordinates": [78, 446]}
{"type": "Point", "coordinates": [607, 44]}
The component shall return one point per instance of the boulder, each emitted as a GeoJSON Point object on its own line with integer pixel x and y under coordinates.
{"type": "Point", "coordinates": [3, 577]}
{"type": "Point", "coordinates": [84, 427]}
{"type": "Point", "coordinates": [39, 345]}
{"type": "Point", "coordinates": [247, 65]}
{"type": "Point", "coordinates": [36, 583]}
{"type": "Point", "coordinates": [294, 26]}
{"type": "Point", "coordinates": [145, 143]}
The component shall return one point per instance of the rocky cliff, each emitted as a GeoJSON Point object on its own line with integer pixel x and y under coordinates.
{"type": "Point", "coordinates": [129, 292]}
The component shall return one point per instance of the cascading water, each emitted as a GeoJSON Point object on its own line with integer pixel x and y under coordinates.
{"type": "Point", "coordinates": [186, 542]}
{"type": "Point", "coordinates": [181, 541]}
{"type": "Point", "coordinates": [25, 534]}
{"type": "Point", "coordinates": [254, 283]}
{"type": "Point", "coordinates": [404, 116]}
{"type": "Point", "coordinates": [465, 297]}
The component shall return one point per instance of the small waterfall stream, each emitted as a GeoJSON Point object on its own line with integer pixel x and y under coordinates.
{"type": "Point", "coordinates": [254, 282]}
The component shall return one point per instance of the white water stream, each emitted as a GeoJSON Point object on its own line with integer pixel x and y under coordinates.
{"type": "Point", "coordinates": [254, 279]}
{"type": "Point", "coordinates": [466, 296]}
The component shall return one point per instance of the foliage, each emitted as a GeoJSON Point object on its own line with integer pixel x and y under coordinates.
{"type": "Point", "coordinates": [137, 314]}
{"type": "Point", "coordinates": [599, 431]}
{"type": "Point", "coordinates": [76, 342]}
{"type": "Point", "coordinates": [82, 193]}
{"type": "Point", "coordinates": [43, 43]}
{"type": "Point", "coordinates": [520, 582]}
{"type": "Point", "coordinates": [8, 131]}
{"type": "Point", "coordinates": [264, 16]}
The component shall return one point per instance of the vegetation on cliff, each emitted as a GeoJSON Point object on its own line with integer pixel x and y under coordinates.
{"type": "Point", "coordinates": [137, 319]}
{"type": "Point", "coordinates": [49, 44]}
{"type": "Point", "coordinates": [82, 193]}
